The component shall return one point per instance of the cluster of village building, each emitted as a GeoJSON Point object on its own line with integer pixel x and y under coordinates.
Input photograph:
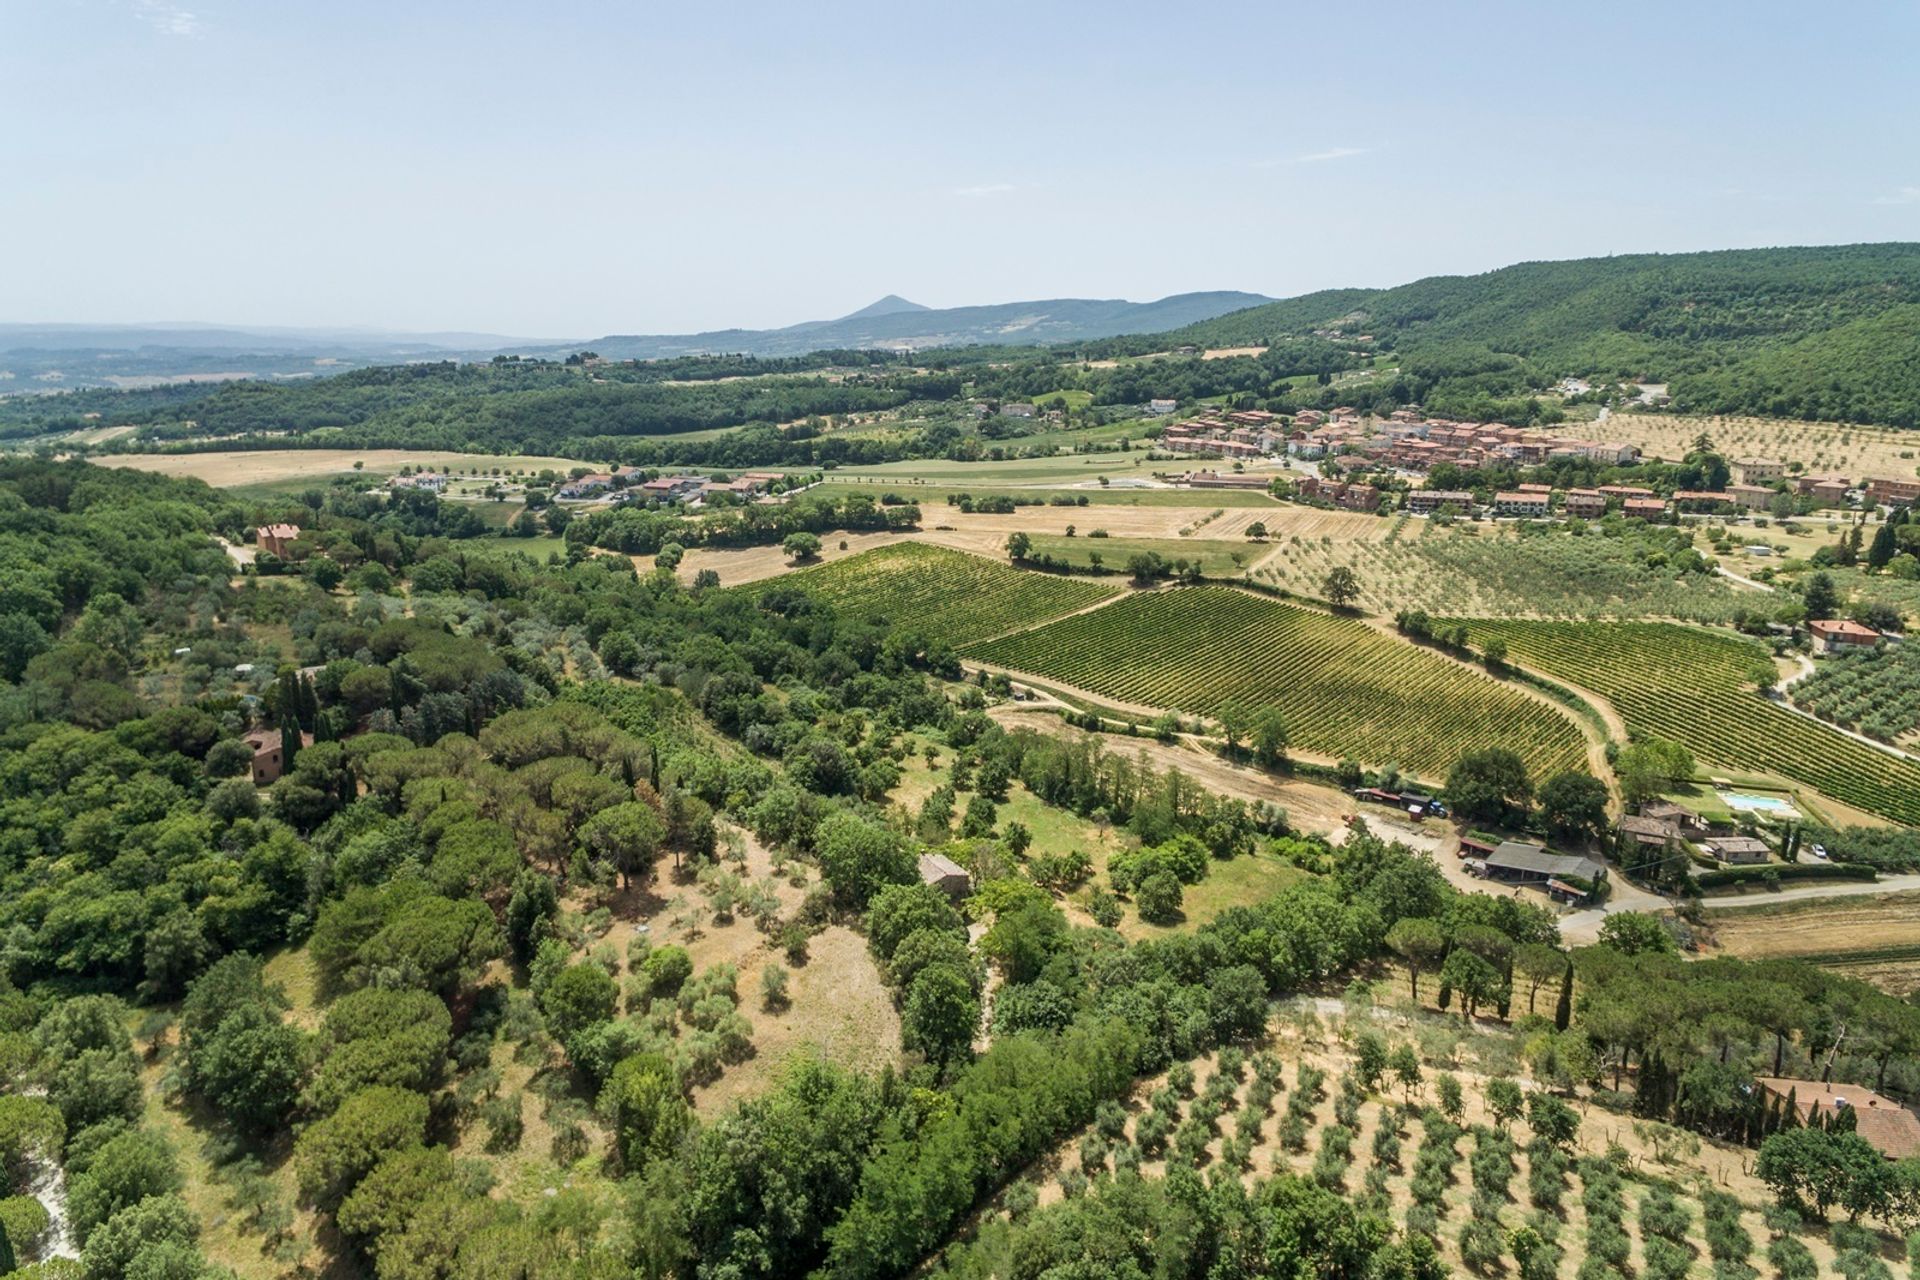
{"type": "Point", "coordinates": [1408, 441]}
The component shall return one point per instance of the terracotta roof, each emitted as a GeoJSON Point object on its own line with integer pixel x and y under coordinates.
{"type": "Point", "coordinates": [1892, 1130]}
{"type": "Point", "coordinates": [1841, 628]}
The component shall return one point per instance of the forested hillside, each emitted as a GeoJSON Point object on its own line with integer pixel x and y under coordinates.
{"type": "Point", "coordinates": [1805, 332]}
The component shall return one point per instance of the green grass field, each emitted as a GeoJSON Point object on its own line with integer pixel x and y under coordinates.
{"type": "Point", "coordinates": [1696, 688]}
{"type": "Point", "coordinates": [1064, 468]}
{"type": "Point", "coordinates": [1216, 556]}
{"type": "Point", "coordinates": [948, 595]}
{"type": "Point", "coordinates": [1345, 689]}
{"type": "Point", "coordinates": [932, 496]}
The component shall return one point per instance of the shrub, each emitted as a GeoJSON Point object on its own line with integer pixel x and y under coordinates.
{"type": "Point", "coordinates": [1482, 1245]}
{"type": "Point", "coordinates": [1665, 1260]}
{"type": "Point", "coordinates": [1661, 1214]}
{"type": "Point", "coordinates": [1792, 1260]}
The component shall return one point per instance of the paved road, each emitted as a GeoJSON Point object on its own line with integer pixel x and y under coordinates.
{"type": "Point", "coordinates": [1579, 928]}
{"type": "Point", "coordinates": [1806, 893]}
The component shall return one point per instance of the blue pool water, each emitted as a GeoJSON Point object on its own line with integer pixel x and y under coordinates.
{"type": "Point", "coordinates": [1757, 804]}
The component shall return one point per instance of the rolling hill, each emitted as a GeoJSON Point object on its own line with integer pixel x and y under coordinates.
{"type": "Point", "coordinates": [1818, 332]}
{"type": "Point", "coordinates": [895, 323]}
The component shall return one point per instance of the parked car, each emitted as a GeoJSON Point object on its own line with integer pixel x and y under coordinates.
{"type": "Point", "coordinates": [1819, 851]}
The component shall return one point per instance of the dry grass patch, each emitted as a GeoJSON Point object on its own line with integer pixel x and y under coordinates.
{"type": "Point", "coordinates": [268, 466]}
{"type": "Point", "coordinates": [839, 1009]}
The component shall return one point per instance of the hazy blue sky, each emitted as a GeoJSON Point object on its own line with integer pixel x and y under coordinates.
{"type": "Point", "coordinates": [568, 170]}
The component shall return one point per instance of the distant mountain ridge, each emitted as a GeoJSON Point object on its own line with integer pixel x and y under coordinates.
{"type": "Point", "coordinates": [897, 324]}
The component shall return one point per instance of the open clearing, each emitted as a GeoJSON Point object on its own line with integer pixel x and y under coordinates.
{"type": "Point", "coordinates": [266, 466]}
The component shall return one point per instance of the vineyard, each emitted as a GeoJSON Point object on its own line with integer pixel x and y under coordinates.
{"type": "Point", "coordinates": [1346, 690]}
{"type": "Point", "coordinates": [1696, 688]}
{"type": "Point", "coordinates": [949, 595]}
{"type": "Point", "coordinates": [1876, 693]}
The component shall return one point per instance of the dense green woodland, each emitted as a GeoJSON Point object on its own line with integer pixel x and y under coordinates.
{"type": "Point", "coordinates": [1824, 333]}
{"type": "Point", "coordinates": [498, 749]}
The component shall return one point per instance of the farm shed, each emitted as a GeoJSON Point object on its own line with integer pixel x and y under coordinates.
{"type": "Point", "coordinates": [1517, 863]}
{"type": "Point", "coordinates": [945, 874]}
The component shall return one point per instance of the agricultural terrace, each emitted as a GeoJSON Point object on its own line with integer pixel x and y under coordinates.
{"type": "Point", "coordinates": [1820, 447]}
{"type": "Point", "coordinates": [1496, 571]}
{"type": "Point", "coordinates": [948, 595]}
{"type": "Point", "coordinates": [1345, 689]}
{"type": "Point", "coordinates": [1697, 688]}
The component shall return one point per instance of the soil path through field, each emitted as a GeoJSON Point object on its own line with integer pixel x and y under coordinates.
{"type": "Point", "coordinates": [1730, 575]}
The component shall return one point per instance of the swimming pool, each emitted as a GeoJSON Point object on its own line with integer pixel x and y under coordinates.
{"type": "Point", "coordinates": [1759, 804]}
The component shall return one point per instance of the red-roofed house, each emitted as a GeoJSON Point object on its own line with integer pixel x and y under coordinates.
{"type": "Point", "coordinates": [277, 538]}
{"type": "Point", "coordinates": [1836, 634]}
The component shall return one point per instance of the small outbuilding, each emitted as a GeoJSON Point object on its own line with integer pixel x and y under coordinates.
{"type": "Point", "coordinates": [945, 874]}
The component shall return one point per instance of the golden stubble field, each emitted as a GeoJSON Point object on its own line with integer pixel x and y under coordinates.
{"type": "Point", "coordinates": [242, 467]}
{"type": "Point", "coordinates": [1873, 937]}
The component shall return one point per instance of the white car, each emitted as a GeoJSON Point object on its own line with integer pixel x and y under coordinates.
{"type": "Point", "coordinates": [1819, 851]}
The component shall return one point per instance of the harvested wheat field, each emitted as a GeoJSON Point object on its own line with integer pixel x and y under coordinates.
{"type": "Point", "coordinates": [985, 533]}
{"type": "Point", "coordinates": [1872, 937]}
{"type": "Point", "coordinates": [268, 466]}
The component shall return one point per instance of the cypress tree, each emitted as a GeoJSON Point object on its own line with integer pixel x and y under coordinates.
{"type": "Point", "coordinates": [289, 740]}
{"type": "Point", "coordinates": [1883, 547]}
{"type": "Point", "coordinates": [1563, 1009]}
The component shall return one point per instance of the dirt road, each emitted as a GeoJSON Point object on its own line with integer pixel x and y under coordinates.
{"type": "Point", "coordinates": [1310, 806]}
